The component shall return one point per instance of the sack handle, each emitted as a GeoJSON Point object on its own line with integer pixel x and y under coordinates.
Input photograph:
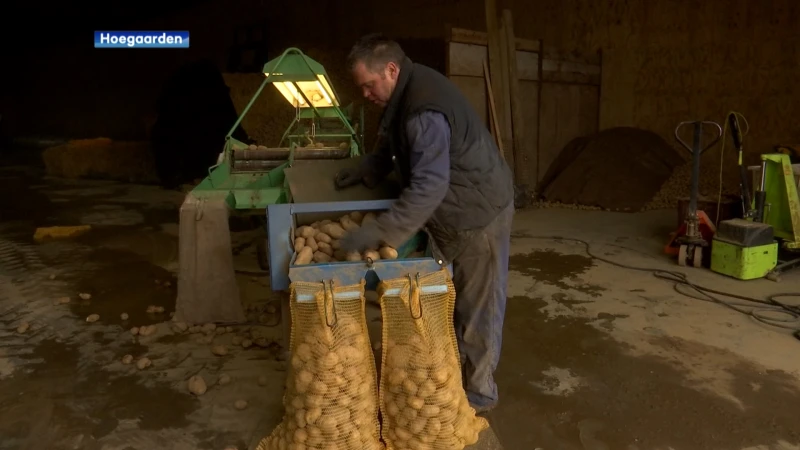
{"type": "Point", "coordinates": [413, 296]}
{"type": "Point", "coordinates": [328, 299]}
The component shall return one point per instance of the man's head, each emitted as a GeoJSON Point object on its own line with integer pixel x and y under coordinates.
{"type": "Point", "coordinates": [374, 63]}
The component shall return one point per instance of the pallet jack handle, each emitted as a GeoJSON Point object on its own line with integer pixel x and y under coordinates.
{"type": "Point", "coordinates": [698, 130]}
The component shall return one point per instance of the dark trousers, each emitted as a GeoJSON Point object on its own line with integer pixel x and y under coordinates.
{"type": "Point", "coordinates": [480, 276]}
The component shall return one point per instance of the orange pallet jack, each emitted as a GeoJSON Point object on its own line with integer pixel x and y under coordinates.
{"type": "Point", "coordinates": [694, 236]}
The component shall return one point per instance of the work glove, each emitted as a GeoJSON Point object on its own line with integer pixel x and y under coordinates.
{"type": "Point", "coordinates": [350, 177]}
{"type": "Point", "coordinates": [362, 238]}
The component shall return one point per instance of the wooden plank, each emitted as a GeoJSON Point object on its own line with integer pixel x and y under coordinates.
{"type": "Point", "coordinates": [494, 45]}
{"type": "Point", "coordinates": [474, 89]}
{"type": "Point", "coordinates": [521, 175]}
{"type": "Point", "coordinates": [492, 110]}
{"type": "Point", "coordinates": [480, 38]}
{"type": "Point", "coordinates": [529, 95]}
{"type": "Point", "coordinates": [583, 58]}
{"type": "Point", "coordinates": [505, 125]}
{"type": "Point", "coordinates": [570, 72]}
{"type": "Point", "coordinates": [467, 60]}
{"type": "Point", "coordinates": [567, 112]}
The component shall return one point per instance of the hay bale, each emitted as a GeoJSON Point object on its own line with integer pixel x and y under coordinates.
{"type": "Point", "coordinates": [101, 158]}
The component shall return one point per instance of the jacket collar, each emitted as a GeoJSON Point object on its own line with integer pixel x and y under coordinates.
{"type": "Point", "coordinates": [406, 68]}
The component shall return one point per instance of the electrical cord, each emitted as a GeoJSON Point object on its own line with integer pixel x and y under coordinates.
{"type": "Point", "coordinates": [769, 311]}
{"type": "Point", "coordinates": [737, 116]}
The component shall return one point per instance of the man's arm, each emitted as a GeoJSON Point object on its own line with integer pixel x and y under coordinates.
{"type": "Point", "coordinates": [375, 166]}
{"type": "Point", "coordinates": [429, 141]}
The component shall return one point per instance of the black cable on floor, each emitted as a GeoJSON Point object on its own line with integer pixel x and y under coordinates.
{"type": "Point", "coordinates": [785, 316]}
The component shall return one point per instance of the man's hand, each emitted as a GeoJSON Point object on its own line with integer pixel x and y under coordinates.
{"type": "Point", "coordinates": [350, 177]}
{"type": "Point", "coordinates": [361, 239]}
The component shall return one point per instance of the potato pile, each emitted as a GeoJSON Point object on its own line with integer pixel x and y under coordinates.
{"type": "Point", "coordinates": [319, 242]}
{"type": "Point", "coordinates": [424, 404]}
{"type": "Point", "coordinates": [331, 395]}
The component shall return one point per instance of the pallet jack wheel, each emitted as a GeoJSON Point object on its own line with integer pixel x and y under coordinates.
{"type": "Point", "coordinates": [697, 258]}
{"type": "Point", "coordinates": [683, 255]}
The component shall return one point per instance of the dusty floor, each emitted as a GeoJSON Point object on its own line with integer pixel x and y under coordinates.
{"type": "Point", "coordinates": [596, 357]}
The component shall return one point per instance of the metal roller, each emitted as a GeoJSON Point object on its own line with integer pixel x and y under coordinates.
{"type": "Point", "coordinates": [270, 154]}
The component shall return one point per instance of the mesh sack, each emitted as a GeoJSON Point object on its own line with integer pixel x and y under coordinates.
{"type": "Point", "coordinates": [422, 399]}
{"type": "Point", "coordinates": [331, 399]}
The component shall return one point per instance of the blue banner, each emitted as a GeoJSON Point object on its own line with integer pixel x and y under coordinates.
{"type": "Point", "coordinates": [141, 39]}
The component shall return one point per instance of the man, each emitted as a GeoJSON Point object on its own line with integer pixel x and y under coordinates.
{"type": "Point", "coordinates": [456, 186]}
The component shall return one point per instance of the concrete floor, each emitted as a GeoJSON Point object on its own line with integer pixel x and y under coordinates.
{"type": "Point", "coordinates": [596, 357]}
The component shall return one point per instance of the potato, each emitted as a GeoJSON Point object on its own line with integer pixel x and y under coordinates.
{"type": "Point", "coordinates": [324, 222]}
{"type": "Point", "coordinates": [325, 248]}
{"type": "Point", "coordinates": [440, 376]}
{"type": "Point", "coordinates": [321, 257]}
{"type": "Point", "coordinates": [368, 217]}
{"type": "Point", "coordinates": [426, 389]}
{"type": "Point", "coordinates": [372, 254]}
{"type": "Point", "coordinates": [353, 256]}
{"type": "Point", "coordinates": [410, 387]}
{"type": "Point", "coordinates": [312, 243]}
{"type": "Point", "coordinates": [335, 244]}
{"type": "Point", "coordinates": [334, 230]}
{"type": "Point", "coordinates": [397, 377]}
{"type": "Point", "coordinates": [299, 243]}
{"type": "Point", "coordinates": [304, 256]}
{"type": "Point", "coordinates": [387, 253]}
{"type": "Point", "coordinates": [340, 255]}
{"type": "Point", "coordinates": [357, 217]}
{"type": "Point", "coordinates": [348, 224]}
{"type": "Point", "coordinates": [322, 237]}
{"type": "Point", "coordinates": [416, 402]}
{"type": "Point", "coordinates": [305, 231]}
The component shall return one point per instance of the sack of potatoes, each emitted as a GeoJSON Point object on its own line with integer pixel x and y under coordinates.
{"type": "Point", "coordinates": [423, 402]}
{"type": "Point", "coordinates": [318, 242]}
{"type": "Point", "coordinates": [331, 397]}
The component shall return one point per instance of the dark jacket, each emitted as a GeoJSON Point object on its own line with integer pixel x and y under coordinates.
{"type": "Point", "coordinates": [480, 182]}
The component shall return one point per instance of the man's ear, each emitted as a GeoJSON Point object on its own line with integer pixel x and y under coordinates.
{"type": "Point", "coordinates": [393, 70]}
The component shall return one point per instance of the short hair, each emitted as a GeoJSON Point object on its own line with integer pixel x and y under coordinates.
{"type": "Point", "coordinates": [375, 51]}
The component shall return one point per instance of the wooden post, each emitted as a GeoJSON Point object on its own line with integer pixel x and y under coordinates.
{"type": "Point", "coordinates": [495, 49]}
{"type": "Point", "coordinates": [505, 95]}
{"type": "Point", "coordinates": [518, 127]}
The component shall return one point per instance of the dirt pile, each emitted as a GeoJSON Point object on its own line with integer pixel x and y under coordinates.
{"type": "Point", "coordinates": [619, 169]}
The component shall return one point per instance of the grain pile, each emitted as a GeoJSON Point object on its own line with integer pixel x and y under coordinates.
{"type": "Point", "coordinates": [618, 169]}
{"type": "Point", "coordinates": [101, 158]}
{"type": "Point", "coordinates": [679, 185]}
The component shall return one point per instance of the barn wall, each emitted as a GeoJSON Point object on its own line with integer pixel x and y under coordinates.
{"type": "Point", "coordinates": [663, 61]}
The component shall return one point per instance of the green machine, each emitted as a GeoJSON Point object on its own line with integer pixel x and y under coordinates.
{"type": "Point", "coordinates": [748, 248]}
{"type": "Point", "coordinates": [250, 177]}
